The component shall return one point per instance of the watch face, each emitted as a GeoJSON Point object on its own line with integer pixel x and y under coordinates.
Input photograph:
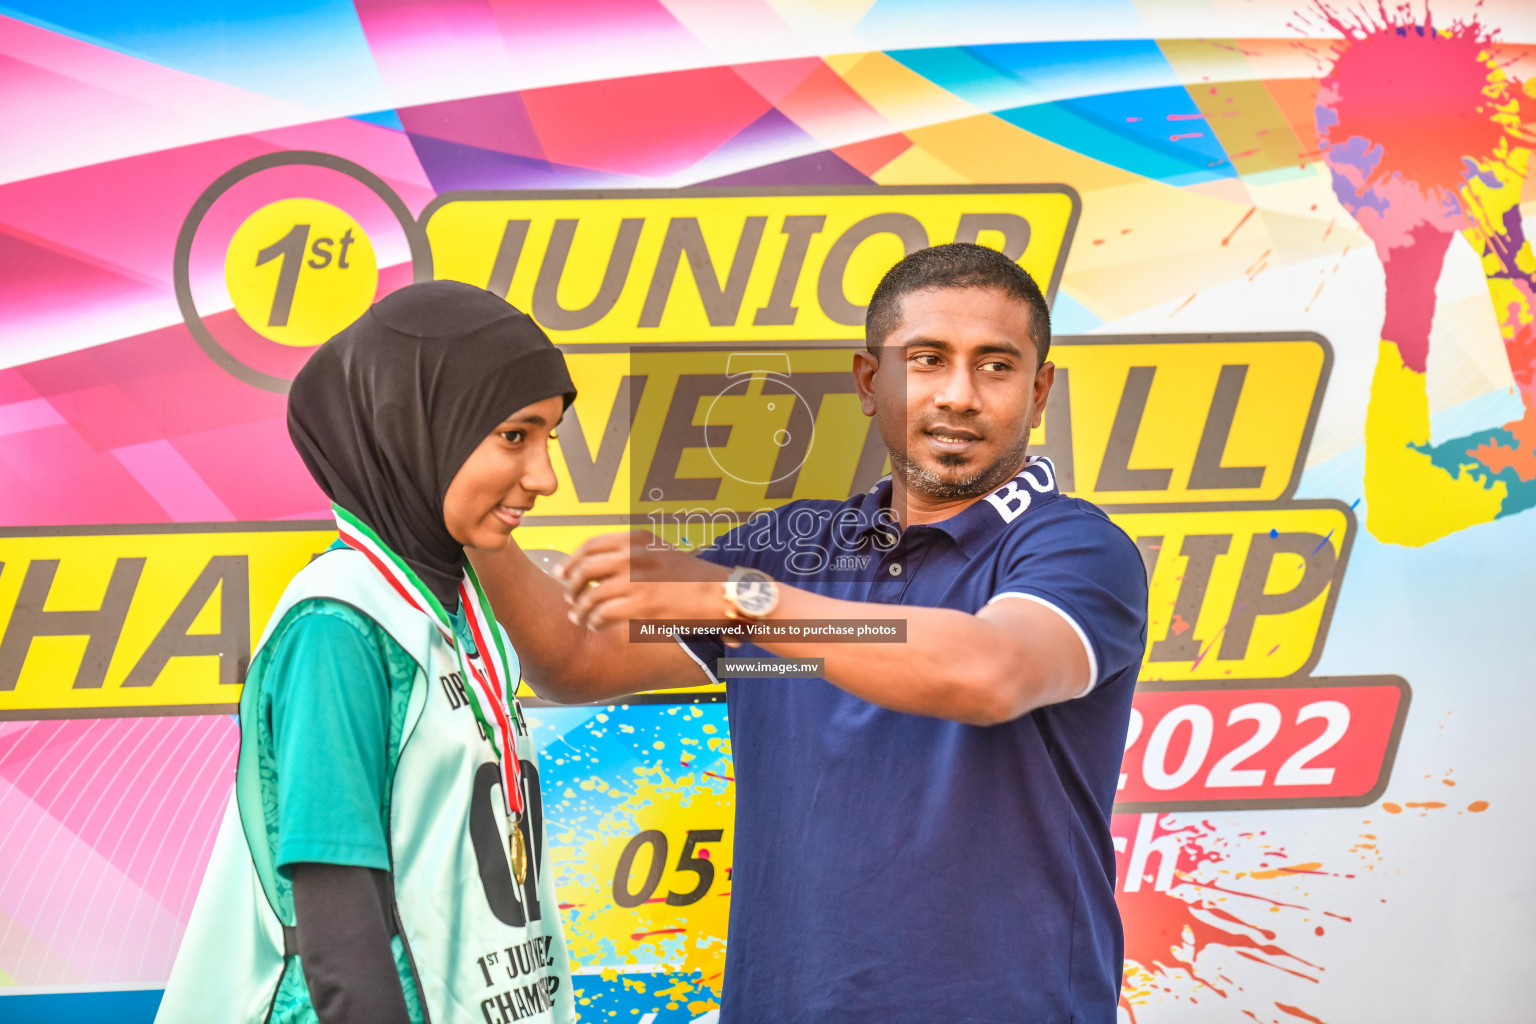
{"type": "Point", "coordinates": [756, 597]}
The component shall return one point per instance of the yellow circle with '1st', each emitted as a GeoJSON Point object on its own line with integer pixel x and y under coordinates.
{"type": "Point", "coordinates": [299, 270]}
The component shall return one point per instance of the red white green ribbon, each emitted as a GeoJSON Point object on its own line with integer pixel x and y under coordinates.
{"type": "Point", "coordinates": [491, 688]}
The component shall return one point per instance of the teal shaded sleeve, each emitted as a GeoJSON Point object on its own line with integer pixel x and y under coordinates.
{"type": "Point", "coordinates": [330, 707]}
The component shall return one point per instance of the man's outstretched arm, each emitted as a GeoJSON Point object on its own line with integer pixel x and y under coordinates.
{"type": "Point", "coordinates": [1007, 659]}
{"type": "Point", "coordinates": [562, 660]}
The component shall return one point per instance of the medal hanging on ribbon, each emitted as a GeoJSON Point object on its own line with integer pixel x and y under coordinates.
{"type": "Point", "coordinates": [497, 684]}
{"type": "Point", "coordinates": [490, 688]}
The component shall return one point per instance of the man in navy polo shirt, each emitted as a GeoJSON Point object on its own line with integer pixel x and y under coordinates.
{"type": "Point", "coordinates": [922, 835]}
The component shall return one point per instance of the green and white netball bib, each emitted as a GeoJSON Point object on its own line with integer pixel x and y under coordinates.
{"type": "Point", "coordinates": [482, 943]}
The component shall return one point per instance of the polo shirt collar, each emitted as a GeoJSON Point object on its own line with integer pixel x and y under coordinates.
{"type": "Point", "coordinates": [974, 525]}
{"type": "Point", "coordinates": [873, 507]}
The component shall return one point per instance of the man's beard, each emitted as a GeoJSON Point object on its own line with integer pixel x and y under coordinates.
{"type": "Point", "coordinates": [918, 479]}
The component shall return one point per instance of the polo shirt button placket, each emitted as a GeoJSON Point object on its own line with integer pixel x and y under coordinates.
{"type": "Point", "coordinates": [899, 570]}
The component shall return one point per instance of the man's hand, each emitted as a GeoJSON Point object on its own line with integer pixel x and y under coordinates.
{"type": "Point", "coordinates": [621, 576]}
{"type": "Point", "coordinates": [565, 662]}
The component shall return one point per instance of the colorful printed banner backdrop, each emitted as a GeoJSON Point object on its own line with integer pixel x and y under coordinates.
{"type": "Point", "coordinates": [1286, 245]}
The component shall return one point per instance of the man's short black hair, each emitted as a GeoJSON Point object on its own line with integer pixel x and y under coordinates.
{"type": "Point", "coordinates": [955, 265]}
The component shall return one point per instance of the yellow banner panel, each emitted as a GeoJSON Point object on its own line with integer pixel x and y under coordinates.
{"type": "Point", "coordinates": [111, 620]}
{"type": "Point", "coordinates": [723, 264]}
{"type": "Point", "coordinates": [669, 431]}
{"type": "Point", "coordinates": [1185, 419]}
{"type": "Point", "coordinates": [144, 621]}
{"type": "Point", "coordinates": [1239, 593]}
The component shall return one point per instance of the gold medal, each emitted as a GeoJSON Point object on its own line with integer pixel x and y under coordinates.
{"type": "Point", "coordinates": [519, 851]}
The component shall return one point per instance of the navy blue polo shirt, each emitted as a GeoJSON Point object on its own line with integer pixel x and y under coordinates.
{"type": "Point", "coordinates": [898, 868]}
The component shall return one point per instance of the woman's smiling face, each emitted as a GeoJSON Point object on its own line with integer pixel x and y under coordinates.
{"type": "Point", "coordinates": [502, 477]}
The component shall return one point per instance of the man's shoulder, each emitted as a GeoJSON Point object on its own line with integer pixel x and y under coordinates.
{"type": "Point", "coordinates": [1079, 512]}
{"type": "Point", "coordinates": [1072, 526]}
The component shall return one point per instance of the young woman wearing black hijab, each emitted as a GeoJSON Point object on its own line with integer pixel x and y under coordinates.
{"type": "Point", "coordinates": [382, 861]}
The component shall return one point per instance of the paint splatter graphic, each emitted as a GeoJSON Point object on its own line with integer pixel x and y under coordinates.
{"type": "Point", "coordinates": [1201, 907]}
{"type": "Point", "coordinates": [625, 791]}
{"type": "Point", "coordinates": [1213, 913]}
{"type": "Point", "coordinates": [1420, 127]}
{"type": "Point", "coordinates": [1210, 911]}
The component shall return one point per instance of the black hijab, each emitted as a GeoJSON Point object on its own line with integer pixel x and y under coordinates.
{"type": "Point", "coordinates": [386, 412]}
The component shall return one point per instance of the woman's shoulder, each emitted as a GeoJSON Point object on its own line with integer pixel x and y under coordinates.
{"type": "Point", "coordinates": [314, 625]}
{"type": "Point", "coordinates": [321, 633]}
{"type": "Point", "coordinates": [342, 579]}
{"type": "Point", "coordinates": [340, 573]}
{"type": "Point", "coordinates": [330, 615]}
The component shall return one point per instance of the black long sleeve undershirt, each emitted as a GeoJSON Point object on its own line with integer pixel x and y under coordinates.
{"type": "Point", "coordinates": [343, 937]}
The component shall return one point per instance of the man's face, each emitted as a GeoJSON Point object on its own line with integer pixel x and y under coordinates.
{"type": "Point", "coordinates": [956, 391]}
